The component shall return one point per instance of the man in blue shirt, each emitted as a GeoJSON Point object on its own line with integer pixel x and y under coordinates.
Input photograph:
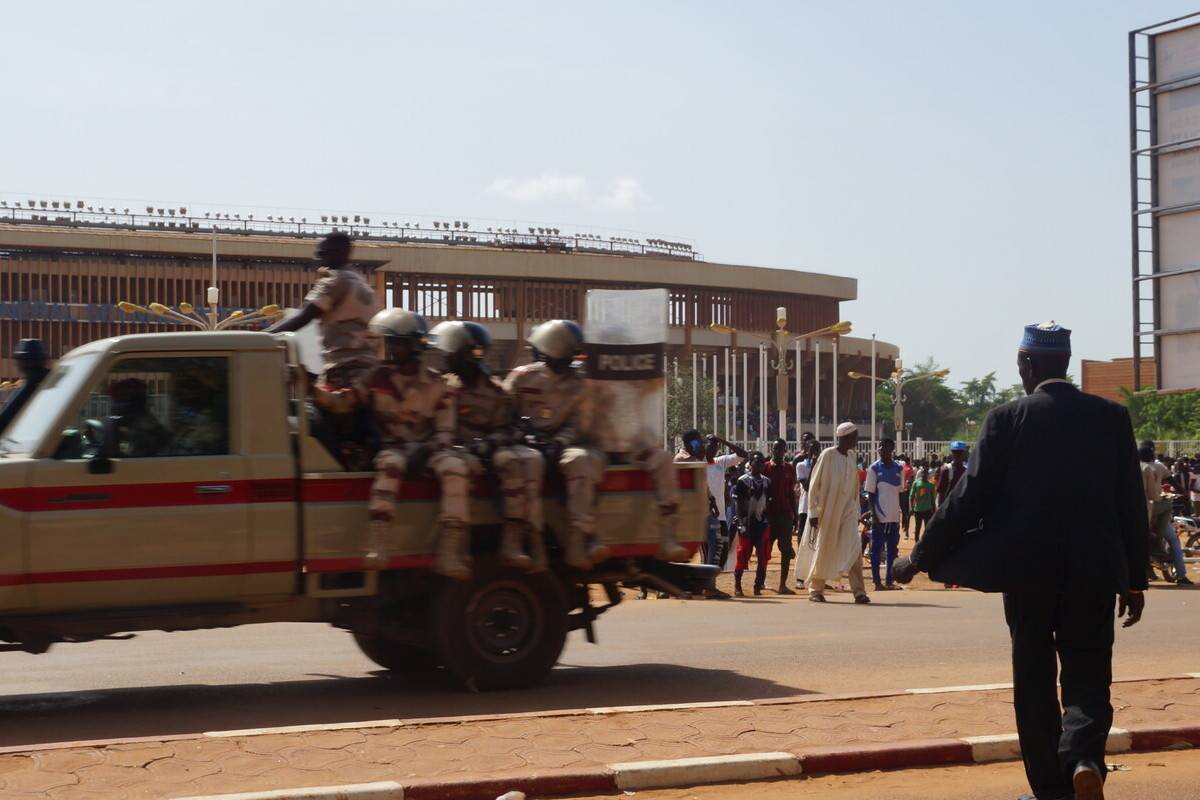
{"type": "Point", "coordinates": [884, 479]}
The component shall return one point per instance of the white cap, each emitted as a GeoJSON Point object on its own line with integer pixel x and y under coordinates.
{"type": "Point", "coordinates": [846, 428]}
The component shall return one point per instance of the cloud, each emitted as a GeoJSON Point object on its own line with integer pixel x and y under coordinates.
{"type": "Point", "coordinates": [622, 193]}
{"type": "Point", "coordinates": [547, 186]}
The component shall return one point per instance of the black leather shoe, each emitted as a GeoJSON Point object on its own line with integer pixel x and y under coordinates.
{"type": "Point", "coordinates": [1088, 781]}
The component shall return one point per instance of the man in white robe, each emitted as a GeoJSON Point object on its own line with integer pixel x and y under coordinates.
{"type": "Point", "coordinates": [831, 533]}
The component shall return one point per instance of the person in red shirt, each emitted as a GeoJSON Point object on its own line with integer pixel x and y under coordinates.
{"type": "Point", "coordinates": [906, 484]}
{"type": "Point", "coordinates": [781, 510]}
{"type": "Point", "coordinates": [950, 474]}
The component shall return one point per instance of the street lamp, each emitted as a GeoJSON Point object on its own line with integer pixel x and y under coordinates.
{"type": "Point", "coordinates": [898, 380]}
{"type": "Point", "coordinates": [780, 340]}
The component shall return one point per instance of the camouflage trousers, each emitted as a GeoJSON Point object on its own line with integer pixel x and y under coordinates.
{"type": "Point", "coordinates": [583, 470]}
{"type": "Point", "coordinates": [661, 466]}
{"type": "Point", "coordinates": [392, 464]}
{"type": "Point", "coordinates": [522, 473]}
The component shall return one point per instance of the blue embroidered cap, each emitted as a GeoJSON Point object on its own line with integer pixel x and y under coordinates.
{"type": "Point", "coordinates": [1048, 337]}
{"type": "Point", "coordinates": [958, 446]}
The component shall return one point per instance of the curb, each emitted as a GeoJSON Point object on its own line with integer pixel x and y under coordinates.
{"type": "Point", "coordinates": [567, 712]}
{"type": "Point", "coordinates": [743, 768]}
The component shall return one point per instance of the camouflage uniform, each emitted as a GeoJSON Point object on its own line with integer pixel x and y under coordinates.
{"type": "Point", "coordinates": [556, 407]}
{"type": "Point", "coordinates": [485, 414]}
{"type": "Point", "coordinates": [661, 466]}
{"type": "Point", "coordinates": [413, 412]}
{"type": "Point", "coordinates": [346, 304]}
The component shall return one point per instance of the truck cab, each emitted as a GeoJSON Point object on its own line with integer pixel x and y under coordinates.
{"type": "Point", "coordinates": [170, 481]}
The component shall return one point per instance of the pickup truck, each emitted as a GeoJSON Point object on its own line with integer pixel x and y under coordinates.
{"type": "Point", "coordinates": [171, 482]}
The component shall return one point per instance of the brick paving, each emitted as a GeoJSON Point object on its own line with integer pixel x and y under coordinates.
{"type": "Point", "coordinates": [478, 748]}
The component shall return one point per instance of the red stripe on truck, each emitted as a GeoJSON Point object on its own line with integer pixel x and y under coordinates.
{"type": "Point", "coordinates": [149, 573]}
{"type": "Point", "coordinates": [354, 489]}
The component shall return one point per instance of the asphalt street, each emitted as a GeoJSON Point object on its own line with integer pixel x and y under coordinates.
{"type": "Point", "coordinates": [650, 651]}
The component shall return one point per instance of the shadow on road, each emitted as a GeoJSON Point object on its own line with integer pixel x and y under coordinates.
{"type": "Point", "coordinates": [194, 708]}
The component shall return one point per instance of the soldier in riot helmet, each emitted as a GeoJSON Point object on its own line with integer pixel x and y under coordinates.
{"type": "Point", "coordinates": [484, 435]}
{"type": "Point", "coordinates": [414, 411]}
{"type": "Point", "coordinates": [549, 398]}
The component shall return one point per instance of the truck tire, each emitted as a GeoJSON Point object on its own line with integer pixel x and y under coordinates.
{"type": "Point", "coordinates": [504, 629]}
{"type": "Point", "coordinates": [394, 655]}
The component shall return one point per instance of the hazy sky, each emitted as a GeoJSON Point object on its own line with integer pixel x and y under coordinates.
{"type": "Point", "coordinates": [966, 161]}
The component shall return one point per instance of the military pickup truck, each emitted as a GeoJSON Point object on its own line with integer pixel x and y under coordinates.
{"type": "Point", "coordinates": [171, 482]}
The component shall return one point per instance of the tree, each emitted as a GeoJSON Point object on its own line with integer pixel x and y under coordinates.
{"type": "Point", "coordinates": [1164, 416]}
{"type": "Point", "coordinates": [978, 396]}
{"type": "Point", "coordinates": [679, 403]}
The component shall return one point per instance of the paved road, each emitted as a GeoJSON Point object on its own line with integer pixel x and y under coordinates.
{"type": "Point", "coordinates": [1146, 776]}
{"type": "Point", "coordinates": [651, 651]}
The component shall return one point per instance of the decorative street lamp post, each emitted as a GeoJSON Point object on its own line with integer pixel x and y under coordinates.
{"type": "Point", "coordinates": [781, 341]}
{"type": "Point", "coordinates": [898, 380]}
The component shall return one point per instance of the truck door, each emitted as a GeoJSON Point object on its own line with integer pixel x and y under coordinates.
{"type": "Point", "coordinates": [166, 519]}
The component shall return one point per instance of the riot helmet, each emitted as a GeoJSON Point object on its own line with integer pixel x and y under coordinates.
{"type": "Point", "coordinates": [464, 345]}
{"type": "Point", "coordinates": [404, 333]}
{"type": "Point", "coordinates": [556, 341]}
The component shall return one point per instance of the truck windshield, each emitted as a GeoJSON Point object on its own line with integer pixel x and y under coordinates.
{"type": "Point", "coordinates": [45, 409]}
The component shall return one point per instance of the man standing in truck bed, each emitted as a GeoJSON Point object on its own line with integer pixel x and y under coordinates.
{"type": "Point", "coordinates": [342, 304]}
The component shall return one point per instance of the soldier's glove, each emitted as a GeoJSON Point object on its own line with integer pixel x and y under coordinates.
{"type": "Point", "coordinates": [904, 570]}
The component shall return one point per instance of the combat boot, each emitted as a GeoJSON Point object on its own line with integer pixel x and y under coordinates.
{"type": "Point", "coordinates": [537, 551]}
{"type": "Point", "coordinates": [668, 548]}
{"type": "Point", "coordinates": [575, 553]}
{"type": "Point", "coordinates": [375, 553]}
{"type": "Point", "coordinates": [452, 560]}
{"type": "Point", "coordinates": [511, 552]}
{"type": "Point", "coordinates": [598, 552]}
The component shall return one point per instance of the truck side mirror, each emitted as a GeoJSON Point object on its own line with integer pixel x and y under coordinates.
{"type": "Point", "coordinates": [104, 438]}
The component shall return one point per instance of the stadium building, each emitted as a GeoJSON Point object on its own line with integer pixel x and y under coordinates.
{"type": "Point", "coordinates": [63, 270]}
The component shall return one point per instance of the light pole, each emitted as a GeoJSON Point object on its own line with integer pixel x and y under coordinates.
{"type": "Point", "coordinates": [898, 380]}
{"type": "Point", "coordinates": [781, 340]}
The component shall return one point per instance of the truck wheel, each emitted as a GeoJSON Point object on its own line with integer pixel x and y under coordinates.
{"type": "Point", "coordinates": [504, 629]}
{"type": "Point", "coordinates": [396, 656]}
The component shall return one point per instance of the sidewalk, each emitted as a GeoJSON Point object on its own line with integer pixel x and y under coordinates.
{"type": "Point", "coordinates": [515, 745]}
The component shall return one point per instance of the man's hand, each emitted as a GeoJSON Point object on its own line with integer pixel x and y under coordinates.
{"type": "Point", "coordinates": [1133, 603]}
{"type": "Point", "coordinates": [813, 522]}
{"type": "Point", "coordinates": [904, 570]}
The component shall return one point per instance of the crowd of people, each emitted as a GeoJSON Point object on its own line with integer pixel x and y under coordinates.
{"type": "Point", "coordinates": [760, 503]}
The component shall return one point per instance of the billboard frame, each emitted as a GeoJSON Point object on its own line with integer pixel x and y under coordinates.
{"type": "Point", "coordinates": [1145, 211]}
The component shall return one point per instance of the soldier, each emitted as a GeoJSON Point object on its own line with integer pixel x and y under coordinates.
{"type": "Point", "coordinates": [343, 304]}
{"type": "Point", "coordinates": [414, 411]}
{"type": "Point", "coordinates": [549, 401]}
{"type": "Point", "coordinates": [138, 432]}
{"type": "Point", "coordinates": [31, 358]}
{"type": "Point", "coordinates": [484, 436]}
